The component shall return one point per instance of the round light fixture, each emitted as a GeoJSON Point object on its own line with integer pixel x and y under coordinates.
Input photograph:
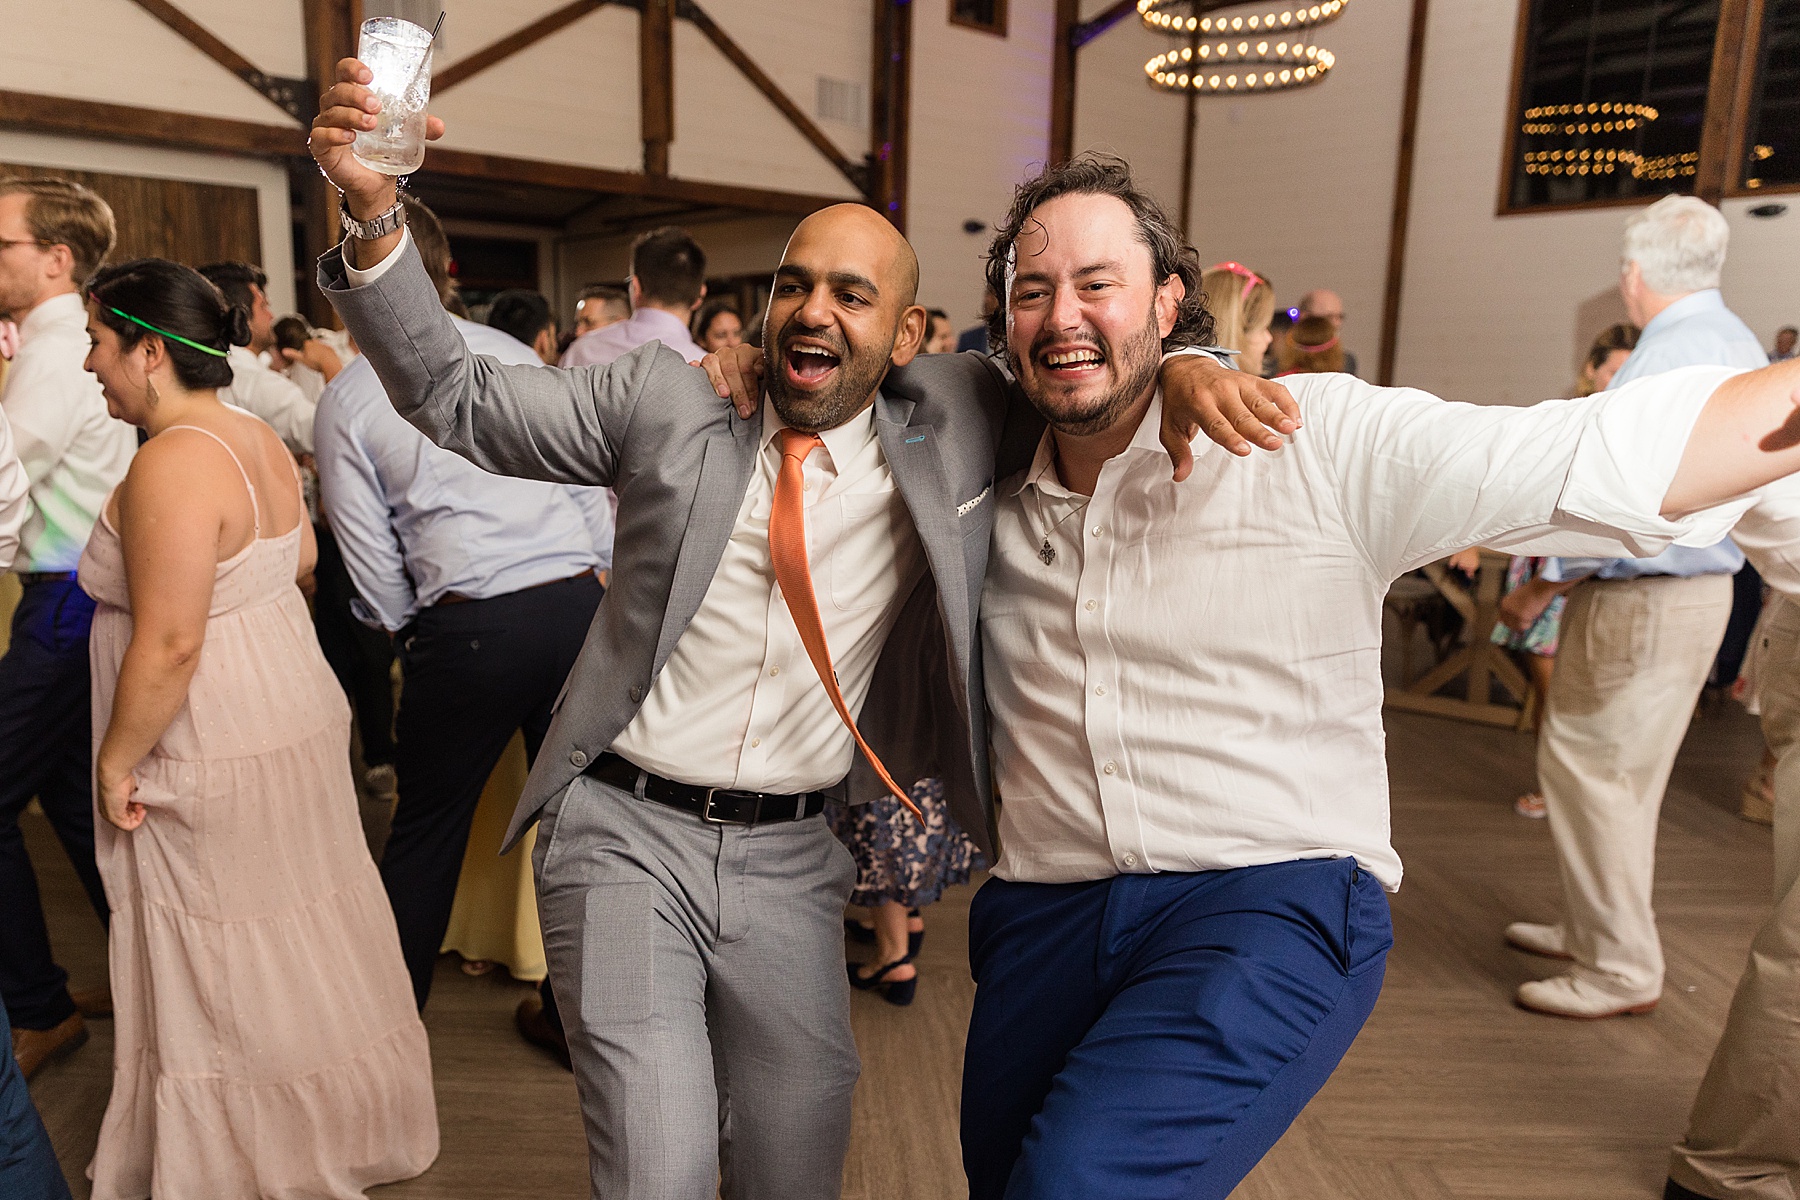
{"type": "Point", "coordinates": [1247, 53]}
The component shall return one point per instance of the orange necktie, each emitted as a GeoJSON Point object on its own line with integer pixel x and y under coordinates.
{"type": "Point", "coordinates": [787, 551]}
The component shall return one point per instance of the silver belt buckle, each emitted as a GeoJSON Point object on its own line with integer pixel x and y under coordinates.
{"type": "Point", "coordinates": [706, 809]}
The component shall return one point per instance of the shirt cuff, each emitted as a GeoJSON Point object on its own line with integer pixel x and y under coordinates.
{"type": "Point", "coordinates": [364, 277]}
{"type": "Point", "coordinates": [1564, 570]}
{"type": "Point", "coordinates": [1628, 455]}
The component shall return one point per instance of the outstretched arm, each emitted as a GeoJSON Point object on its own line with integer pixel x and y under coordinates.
{"type": "Point", "coordinates": [1748, 435]}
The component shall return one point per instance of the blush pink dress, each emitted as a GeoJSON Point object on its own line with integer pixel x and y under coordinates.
{"type": "Point", "coordinates": [267, 1044]}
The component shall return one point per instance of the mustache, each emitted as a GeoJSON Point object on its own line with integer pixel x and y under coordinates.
{"type": "Point", "coordinates": [1044, 340]}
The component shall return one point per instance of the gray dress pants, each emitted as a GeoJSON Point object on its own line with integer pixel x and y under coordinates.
{"type": "Point", "coordinates": [700, 973]}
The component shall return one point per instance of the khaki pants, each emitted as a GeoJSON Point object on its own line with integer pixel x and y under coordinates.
{"type": "Point", "coordinates": [1743, 1138]}
{"type": "Point", "coordinates": [1632, 659]}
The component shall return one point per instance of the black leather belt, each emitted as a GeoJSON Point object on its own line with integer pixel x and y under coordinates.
{"type": "Point", "coordinates": [28, 578]}
{"type": "Point", "coordinates": [716, 806]}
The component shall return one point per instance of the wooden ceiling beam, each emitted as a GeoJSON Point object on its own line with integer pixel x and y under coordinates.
{"type": "Point", "coordinates": [146, 126]}
{"type": "Point", "coordinates": [289, 95]}
{"type": "Point", "coordinates": [499, 51]}
{"type": "Point", "coordinates": [473, 165]}
{"type": "Point", "coordinates": [857, 173]}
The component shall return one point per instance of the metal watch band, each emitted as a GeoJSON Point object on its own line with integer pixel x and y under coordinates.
{"type": "Point", "coordinates": [376, 227]}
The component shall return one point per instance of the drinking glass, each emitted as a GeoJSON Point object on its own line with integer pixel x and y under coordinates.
{"type": "Point", "coordinates": [398, 54]}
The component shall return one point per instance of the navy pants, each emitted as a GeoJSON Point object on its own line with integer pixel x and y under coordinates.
{"type": "Point", "coordinates": [46, 750]}
{"type": "Point", "coordinates": [28, 1169]}
{"type": "Point", "coordinates": [1153, 1035]}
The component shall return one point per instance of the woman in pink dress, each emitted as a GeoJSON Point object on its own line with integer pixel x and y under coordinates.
{"type": "Point", "coordinates": [267, 1042]}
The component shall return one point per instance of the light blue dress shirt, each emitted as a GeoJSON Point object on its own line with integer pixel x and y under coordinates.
{"type": "Point", "coordinates": [1695, 331]}
{"type": "Point", "coordinates": [416, 522]}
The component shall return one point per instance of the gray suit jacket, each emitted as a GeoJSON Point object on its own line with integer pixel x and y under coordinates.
{"type": "Point", "coordinates": [679, 458]}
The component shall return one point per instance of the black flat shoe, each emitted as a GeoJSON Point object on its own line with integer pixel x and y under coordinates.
{"type": "Point", "coordinates": [1674, 1191]}
{"type": "Point", "coordinates": [857, 932]}
{"type": "Point", "coordinates": [896, 992]}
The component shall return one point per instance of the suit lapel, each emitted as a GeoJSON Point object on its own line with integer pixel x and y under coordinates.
{"type": "Point", "coordinates": [725, 469]}
{"type": "Point", "coordinates": [918, 468]}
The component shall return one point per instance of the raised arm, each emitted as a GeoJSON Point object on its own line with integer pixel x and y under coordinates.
{"type": "Point", "coordinates": [529, 421]}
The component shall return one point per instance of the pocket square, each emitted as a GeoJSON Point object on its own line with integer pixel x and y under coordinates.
{"type": "Point", "coordinates": [968, 506]}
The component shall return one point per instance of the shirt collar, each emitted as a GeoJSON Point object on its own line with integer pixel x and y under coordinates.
{"type": "Point", "coordinates": [65, 309]}
{"type": "Point", "coordinates": [1705, 300]}
{"type": "Point", "coordinates": [1042, 474]}
{"type": "Point", "coordinates": [841, 443]}
{"type": "Point", "coordinates": [659, 324]}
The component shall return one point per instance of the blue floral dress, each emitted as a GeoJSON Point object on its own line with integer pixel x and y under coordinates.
{"type": "Point", "coordinates": [900, 858]}
{"type": "Point", "coordinates": [1541, 637]}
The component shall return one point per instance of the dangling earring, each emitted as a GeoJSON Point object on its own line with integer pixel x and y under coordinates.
{"type": "Point", "coordinates": [150, 396]}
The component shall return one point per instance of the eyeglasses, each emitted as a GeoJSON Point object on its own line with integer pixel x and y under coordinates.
{"type": "Point", "coordinates": [5, 242]}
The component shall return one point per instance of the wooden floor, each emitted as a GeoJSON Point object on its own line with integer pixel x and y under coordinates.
{"type": "Point", "coordinates": [1450, 1091]}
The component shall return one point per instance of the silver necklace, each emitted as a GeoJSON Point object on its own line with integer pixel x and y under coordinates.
{"type": "Point", "coordinates": [1046, 551]}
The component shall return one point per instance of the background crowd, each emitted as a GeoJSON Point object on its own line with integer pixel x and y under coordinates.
{"type": "Point", "coordinates": [381, 617]}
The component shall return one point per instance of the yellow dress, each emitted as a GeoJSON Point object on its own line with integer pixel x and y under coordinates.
{"type": "Point", "coordinates": [495, 915]}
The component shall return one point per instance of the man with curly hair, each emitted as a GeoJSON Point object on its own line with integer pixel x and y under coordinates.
{"type": "Point", "coordinates": [1187, 924]}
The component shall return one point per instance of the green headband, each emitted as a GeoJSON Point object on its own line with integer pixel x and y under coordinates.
{"type": "Point", "coordinates": [174, 337]}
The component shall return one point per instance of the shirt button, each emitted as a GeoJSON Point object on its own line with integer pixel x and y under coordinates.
{"type": "Point", "coordinates": [1130, 860]}
{"type": "Point", "coordinates": [774, 671]}
{"type": "Point", "coordinates": [755, 742]}
{"type": "Point", "coordinates": [1091, 605]}
{"type": "Point", "coordinates": [1097, 531]}
{"type": "Point", "coordinates": [1100, 690]}
{"type": "Point", "coordinates": [1111, 768]}
{"type": "Point", "coordinates": [578, 760]}
{"type": "Point", "coordinates": [637, 693]}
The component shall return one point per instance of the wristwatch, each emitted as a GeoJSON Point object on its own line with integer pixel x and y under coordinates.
{"type": "Point", "coordinates": [375, 228]}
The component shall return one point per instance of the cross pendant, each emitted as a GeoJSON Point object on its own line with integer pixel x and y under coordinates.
{"type": "Point", "coordinates": [1047, 552]}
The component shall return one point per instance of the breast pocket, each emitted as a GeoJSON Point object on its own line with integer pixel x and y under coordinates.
{"type": "Point", "coordinates": [875, 553]}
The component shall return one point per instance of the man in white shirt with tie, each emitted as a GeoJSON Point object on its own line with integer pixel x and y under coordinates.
{"type": "Point", "coordinates": [53, 234]}
{"type": "Point", "coordinates": [1187, 925]}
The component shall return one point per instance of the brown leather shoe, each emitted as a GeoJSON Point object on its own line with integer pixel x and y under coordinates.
{"type": "Point", "coordinates": [535, 1028]}
{"type": "Point", "coordinates": [35, 1047]}
{"type": "Point", "coordinates": [96, 1002]}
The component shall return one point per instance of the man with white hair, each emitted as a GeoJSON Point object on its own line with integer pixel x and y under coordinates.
{"type": "Point", "coordinates": [1639, 636]}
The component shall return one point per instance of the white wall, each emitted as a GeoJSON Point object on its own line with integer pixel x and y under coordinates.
{"type": "Point", "coordinates": [270, 181]}
{"type": "Point", "coordinates": [114, 51]}
{"type": "Point", "coordinates": [1296, 185]}
{"type": "Point", "coordinates": [980, 125]}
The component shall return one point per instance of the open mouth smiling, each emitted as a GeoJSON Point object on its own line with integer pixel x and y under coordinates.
{"type": "Point", "coordinates": [1072, 362]}
{"type": "Point", "coordinates": [809, 363]}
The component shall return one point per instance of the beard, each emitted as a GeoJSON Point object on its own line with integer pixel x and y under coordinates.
{"type": "Point", "coordinates": [854, 380]}
{"type": "Point", "coordinates": [1133, 366]}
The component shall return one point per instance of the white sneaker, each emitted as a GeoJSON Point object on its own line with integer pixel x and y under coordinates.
{"type": "Point", "coordinates": [1544, 940]}
{"type": "Point", "coordinates": [1567, 996]}
{"type": "Point", "coordinates": [382, 783]}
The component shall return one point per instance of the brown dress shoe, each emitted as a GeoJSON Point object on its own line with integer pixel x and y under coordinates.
{"type": "Point", "coordinates": [535, 1028]}
{"type": "Point", "coordinates": [96, 1002]}
{"type": "Point", "coordinates": [35, 1047]}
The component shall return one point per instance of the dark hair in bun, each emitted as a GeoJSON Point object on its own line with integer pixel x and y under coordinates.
{"type": "Point", "coordinates": [177, 300]}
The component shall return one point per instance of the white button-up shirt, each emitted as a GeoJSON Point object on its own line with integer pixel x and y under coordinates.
{"type": "Point", "coordinates": [1193, 681]}
{"type": "Point", "coordinates": [73, 451]}
{"type": "Point", "coordinates": [15, 492]}
{"type": "Point", "coordinates": [738, 704]}
{"type": "Point", "coordinates": [274, 397]}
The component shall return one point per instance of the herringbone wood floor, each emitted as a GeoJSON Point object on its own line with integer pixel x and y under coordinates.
{"type": "Point", "coordinates": [1449, 1092]}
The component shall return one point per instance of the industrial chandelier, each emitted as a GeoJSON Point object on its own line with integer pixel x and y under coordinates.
{"type": "Point", "coordinates": [1260, 52]}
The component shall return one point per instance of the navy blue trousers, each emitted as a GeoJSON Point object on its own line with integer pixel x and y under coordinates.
{"type": "Point", "coordinates": [28, 1169]}
{"type": "Point", "coordinates": [46, 750]}
{"type": "Point", "coordinates": [1153, 1035]}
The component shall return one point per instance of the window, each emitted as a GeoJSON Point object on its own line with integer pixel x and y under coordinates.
{"type": "Point", "coordinates": [1621, 101]}
{"type": "Point", "coordinates": [1772, 141]}
{"type": "Point", "coordinates": [988, 16]}
{"type": "Point", "coordinates": [1611, 99]}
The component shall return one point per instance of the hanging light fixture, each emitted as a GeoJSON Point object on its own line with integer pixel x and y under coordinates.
{"type": "Point", "coordinates": [1258, 52]}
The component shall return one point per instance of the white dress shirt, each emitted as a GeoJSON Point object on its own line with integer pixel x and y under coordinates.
{"type": "Point", "coordinates": [73, 451]}
{"type": "Point", "coordinates": [415, 521]}
{"type": "Point", "coordinates": [1769, 534]}
{"type": "Point", "coordinates": [1194, 681]}
{"type": "Point", "coordinates": [278, 400]}
{"type": "Point", "coordinates": [739, 705]}
{"type": "Point", "coordinates": [15, 495]}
